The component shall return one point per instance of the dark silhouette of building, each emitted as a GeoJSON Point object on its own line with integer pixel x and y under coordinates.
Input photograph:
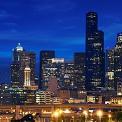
{"type": "Point", "coordinates": [95, 59]}
{"type": "Point", "coordinates": [15, 74]}
{"type": "Point", "coordinates": [27, 118]}
{"type": "Point", "coordinates": [79, 70]}
{"type": "Point", "coordinates": [44, 56]}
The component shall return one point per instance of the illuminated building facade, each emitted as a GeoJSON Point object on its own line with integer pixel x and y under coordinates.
{"type": "Point", "coordinates": [69, 80]}
{"type": "Point", "coordinates": [21, 59]}
{"type": "Point", "coordinates": [118, 64]}
{"type": "Point", "coordinates": [44, 56]}
{"type": "Point", "coordinates": [15, 66]}
{"type": "Point", "coordinates": [95, 57]}
{"type": "Point", "coordinates": [110, 81]}
{"type": "Point", "coordinates": [43, 97]}
{"type": "Point", "coordinates": [27, 77]}
{"type": "Point", "coordinates": [54, 69]}
{"type": "Point", "coordinates": [116, 100]}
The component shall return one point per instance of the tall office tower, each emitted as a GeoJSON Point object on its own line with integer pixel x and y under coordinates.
{"type": "Point", "coordinates": [118, 64]}
{"type": "Point", "coordinates": [28, 58]}
{"type": "Point", "coordinates": [79, 70]}
{"type": "Point", "coordinates": [27, 76]}
{"type": "Point", "coordinates": [95, 59]}
{"type": "Point", "coordinates": [15, 82]}
{"type": "Point", "coordinates": [21, 59]}
{"type": "Point", "coordinates": [54, 70]}
{"type": "Point", "coordinates": [15, 66]}
{"type": "Point", "coordinates": [110, 84]}
{"type": "Point", "coordinates": [69, 77]}
{"type": "Point", "coordinates": [44, 56]}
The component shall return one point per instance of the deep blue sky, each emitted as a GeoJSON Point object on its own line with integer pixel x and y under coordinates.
{"type": "Point", "coordinates": [53, 24]}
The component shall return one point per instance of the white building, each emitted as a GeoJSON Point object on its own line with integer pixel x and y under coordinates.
{"type": "Point", "coordinates": [43, 97]}
{"type": "Point", "coordinates": [27, 76]}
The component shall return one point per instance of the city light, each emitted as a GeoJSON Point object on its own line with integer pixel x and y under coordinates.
{"type": "Point", "coordinates": [61, 74]}
{"type": "Point", "coordinates": [56, 114]}
{"type": "Point", "coordinates": [85, 113]}
{"type": "Point", "coordinates": [67, 111]}
{"type": "Point", "coordinates": [109, 116]}
{"type": "Point", "coordinates": [99, 114]}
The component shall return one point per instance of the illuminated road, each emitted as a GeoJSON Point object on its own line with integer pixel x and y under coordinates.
{"type": "Point", "coordinates": [9, 111]}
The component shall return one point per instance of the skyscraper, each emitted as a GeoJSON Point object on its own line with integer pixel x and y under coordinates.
{"type": "Point", "coordinates": [15, 66]}
{"type": "Point", "coordinates": [91, 23]}
{"type": "Point", "coordinates": [110, 79]}
{"type": "Point", "coordinates": [69, 77]}
{"type": "Point", "coordinates": [21, 59]}
{"type": "Point", "coordinates": [54, 69]}
{"type": "Point", "coordinates": [118, 64]}
{"type": "Point", "coordinates": [44, 56]}
{"type": "Point", "coordinates": [95, 59]}
{"type": "Point", "coordinates": [79, 70]}
{"type": "Point", "coordinates": [15, 82]}
{"type": "Point", "coordinates": [28, 58]}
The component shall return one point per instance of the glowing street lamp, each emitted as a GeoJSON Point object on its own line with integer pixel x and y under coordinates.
{"type": "Point", "coordinates": [109, 116]}
{"type": "Point", "coordinates": [100, 114]}
{"type": "Point", "coordinates": [56, 114]}
{"type": "Point", "coordinates": [85, 113]}
{"type": "Point", "coordinates": [67, 111]}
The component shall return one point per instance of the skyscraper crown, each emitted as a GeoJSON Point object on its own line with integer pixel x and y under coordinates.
{"type": "Point", "coordinates": [19, 47]}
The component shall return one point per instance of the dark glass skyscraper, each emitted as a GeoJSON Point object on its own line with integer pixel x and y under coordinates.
{"type": "Point", "coordinates": [45, 55]}
{"type": "Point", "coordinates": [95, 59]}
{"type": "Point", "coordinates": [79, 70]}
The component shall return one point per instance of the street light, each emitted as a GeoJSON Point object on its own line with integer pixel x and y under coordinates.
{"type": "Point", "coordinates": [85, 113]}
{"type": "Point", "coordinates": [67, 111]}
{"type": "Point", "coordinates": [56, 114]}
{"type": "Point", "coordinates": [109, 116]}
{"type": "Point", "coordinates": [99, 114]}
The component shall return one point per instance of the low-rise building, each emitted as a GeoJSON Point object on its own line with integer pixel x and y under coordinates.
{"type": "Point", "coordinates": [116, 100]}
{"type": "Point", "coordinates": [43, 97]}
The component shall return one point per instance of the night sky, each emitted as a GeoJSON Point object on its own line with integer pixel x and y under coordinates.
{"type": "Point", "coordinates": [53, 24]}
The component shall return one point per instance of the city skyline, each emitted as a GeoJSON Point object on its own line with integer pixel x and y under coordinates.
{"type": "Point", "coordinates": [60, 61]}
{"type": "Point", "coordinates": [53, 23]}
{"type": "Point", "coordinates": [37, 60]}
